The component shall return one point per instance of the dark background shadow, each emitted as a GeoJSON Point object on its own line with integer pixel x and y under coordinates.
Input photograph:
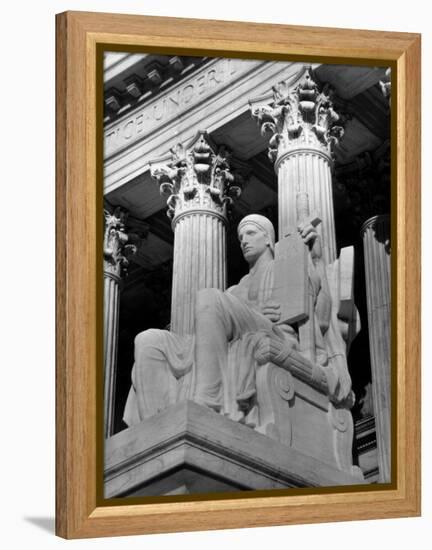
{"type": "Point", "coordinates": [45, 523]}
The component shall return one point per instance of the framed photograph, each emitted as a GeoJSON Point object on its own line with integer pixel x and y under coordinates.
{"type": "Point", "coordinates": [238, 274]}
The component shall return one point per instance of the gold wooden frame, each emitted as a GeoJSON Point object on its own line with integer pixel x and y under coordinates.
{"type": "Point", "coordinates": [78, 34]}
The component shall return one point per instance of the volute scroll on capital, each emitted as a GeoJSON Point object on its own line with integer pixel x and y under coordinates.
{"type": "Point", "coordinates": [119, 244]}
{"type": "Point", "coordinates": [297, 114]}
{"type": "Point", "coordinates": [198, 175]}
{"type": "Point", "coordinates": [385, 86]}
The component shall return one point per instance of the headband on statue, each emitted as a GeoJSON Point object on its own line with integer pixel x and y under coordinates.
{"type": "Point", "coordinates": [262, 223]}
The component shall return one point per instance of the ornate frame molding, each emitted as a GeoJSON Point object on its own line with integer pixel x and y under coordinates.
{"type": "Point", "coordinates": [79, 511]}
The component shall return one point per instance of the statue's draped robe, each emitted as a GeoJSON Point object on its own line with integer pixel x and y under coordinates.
{"type": "Point", "coordinates": [165, 373]}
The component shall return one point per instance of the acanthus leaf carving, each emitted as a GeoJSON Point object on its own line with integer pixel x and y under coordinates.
{"type": "Point", "coordinates": [385, 86]}
{"type": "Point", "coordinates": [196, 176]}
{"type": "Point", "coordinates": [300, 115]}
{"type": "Point", "coordinates": [119, 245]}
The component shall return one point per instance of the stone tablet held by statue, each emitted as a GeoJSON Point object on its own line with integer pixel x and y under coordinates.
{"type": "Point", "coordinates": [291, 276]}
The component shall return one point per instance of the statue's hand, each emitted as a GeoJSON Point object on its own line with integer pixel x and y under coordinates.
{"type": "Point", "coordinates": [271, 349]}
{"type": "Point", "coordinates": [272, 311]}
{"type": "Point", "coordinates": [310, 237]}
{"type": "Point", "coordinates": [268, 349]}
{"type": "Point", "coordinates": [339, 383]}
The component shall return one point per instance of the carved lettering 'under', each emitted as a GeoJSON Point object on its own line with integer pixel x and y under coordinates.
{"type": "Point", "coordinates": [170, 105]}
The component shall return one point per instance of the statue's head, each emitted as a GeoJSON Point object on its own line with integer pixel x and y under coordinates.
{"type": "Point", "coordinates": [256, 234]}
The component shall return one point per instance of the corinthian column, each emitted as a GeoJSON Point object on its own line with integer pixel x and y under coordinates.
{"type": "Point", "coordinates": [199, 185]}
{"type": "Point", "coordinates": [302, 124]}
{"type": "Point", "coordinates": [115, 247]}
{"type": "Point", "coordinates": [386, 86]}
{"type": "Point", "coordinates": [376, 241]}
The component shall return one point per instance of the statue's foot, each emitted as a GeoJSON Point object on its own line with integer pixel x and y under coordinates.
{"type": "Point", "coordinates": [252, 418]}
{"type": "Point", "coordinates": [236, 416]}
{"type": "Point", "coordinates": [241, 417]}
{"type": "Point", "coordinates": [248, 423]}
{"type": "Point", "coordinates": [208, 403]}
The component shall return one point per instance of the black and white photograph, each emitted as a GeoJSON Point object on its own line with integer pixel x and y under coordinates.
{"type": "Point", "coordinates": [215, 277]}
{"type": "Point", "coordinates": [247, 275]}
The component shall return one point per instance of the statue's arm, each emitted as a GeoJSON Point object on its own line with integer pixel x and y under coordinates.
{"type": "Point", "coordinates": [283, 353]}
{"type": "Point", "coordinates": [243, 281]}
{"type": "Point", "coordinates": [282, 349]}
{"type": "Point", "coordinates": [323, 300]}
{"type": "Point", "coordinates": [311, 238]}
{"type": "Point", "coordinates": [317, 275]}
{"type": "Point", "coordinates": [231, 289]}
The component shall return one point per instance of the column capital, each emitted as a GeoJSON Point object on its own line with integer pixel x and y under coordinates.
{"type": "Point", "coordinates": [385, 85]}
{"type": "Point", "coordinates": [381, 228]}
{"type": "Point", "coordinates": [298, 115]}
{"type": "Point", "coordinates": [117, 243]}
{"type": "Point", "coordinates": [197, 176]}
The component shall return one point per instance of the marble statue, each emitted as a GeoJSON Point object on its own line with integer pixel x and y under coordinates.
{"type": "Point", "coordinates": [236, 333]}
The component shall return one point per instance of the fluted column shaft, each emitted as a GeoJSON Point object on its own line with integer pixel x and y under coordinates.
{"type": "Point", "coordinates": [305, 184]}
{"type": "Point", "coordinates": [300, 119]}
{"type": "Point", "coordinates": [200, 187]}
{"type": "Point", "coordinates": [376, 242]}
{"type": "Point", "coordinates": [199, 262]}
{"type": "Point", "coordinates": [111, 314]}
{"type": "Point", "coordinates": [116, 244]}
{"type": "Point", "coordinates": [303, 128]}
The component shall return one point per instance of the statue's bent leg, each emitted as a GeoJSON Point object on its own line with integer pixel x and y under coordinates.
{"type": "Point", "coordinates": [153, 383]}
{"type": "Point", "coordinates": [212, 332]}
{"type": "Point", "coordinates": [219, 319]}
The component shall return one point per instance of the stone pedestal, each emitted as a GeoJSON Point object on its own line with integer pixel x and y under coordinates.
{"type": "Point", "coordinates": [115, 262]}
{"type": "Point", "coordinates": [190, 449]}
{"type": "Point", "coordinates": [376, 241]}
{"type": "Point", "coordinates": [200, 187]}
